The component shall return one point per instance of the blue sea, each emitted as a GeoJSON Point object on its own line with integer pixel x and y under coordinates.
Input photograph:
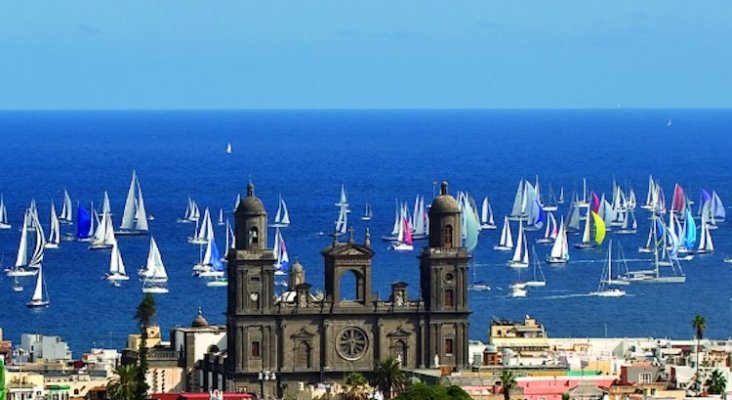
{"type": "Point", "coordinates": [379, 156]}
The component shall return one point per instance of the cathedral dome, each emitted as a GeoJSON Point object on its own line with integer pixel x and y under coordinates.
{"type": "Point", "coordinates": [251, 203]}
{"type": "Point", "coordinates": [199, 321]}
{"type": "Point", "coordinates": [444, 203]}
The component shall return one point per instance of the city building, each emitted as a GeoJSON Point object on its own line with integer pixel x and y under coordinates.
{"type": "Point", "coordinates": [279, 342]}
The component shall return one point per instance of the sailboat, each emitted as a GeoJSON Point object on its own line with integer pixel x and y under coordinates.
{"type": "Point", "coordinates": [539, 278]}
{"type": "Point", "coordinates": [506, 242]}
{"type": "Point", "coordinates": [551, 231]}
{"type": "Point", "coordinates": [630, 224]}
{"type": "Point", "coordinates": [520, 257]}
{"type": "Point", "coordinates": [204, 230]}
{"type": "Point", "coordinates": [4, 223]}
{"type": "Point", "coordinates": [228, 148]}
{"type": "Point", "coordinates": [104, 234]}
{"type": "Point", "coordinates": [40, 294]}
{"type": "Point", "coordinates": [403, 241]}
{"type": "Point", "coordinates": [551, 204]}
{"type": "Point", "coordinates": [84, 224]}
{"type": "Point", "coordinates": [341, 224]}
{"type": "Point", "coordinates": [210, 265]}
{"type": "Point", "coordinates": [560, 200]}
{"type": "Point", "coordinates": [419, 222]}
{"type": "Point", "coordinates": [192, 213]}
{"type": "Point", "coordinates": [54, 234]}
{"type": "Point", "coordinates": [560, 249]}
{"type": "Point", "coordinates": [518, 288]}
{"type": "Point", "coordinates": [21, 267]}
{"type": "Point", "coordinates": [604, 288]}
{"type": "Point", "coordinates": [486, 215]}
{"type": "Point", "coordinates": [654, 275]}
{"type": "Point", "coordinates": [706, 245]}
{"type": "Point", "coordinates": [587, 240]}
{"type": "Point", "coordinates": [221, 221]}
{"type": "Point", "coordinates": [367, 213]}
{"type": "Point", "coordinates": [116, 266]}
{"type": "Point", "coordinates": [154, 270]}
{"type": "Point", "coordinates": [282, 265]}
{"type": "Point", "coordinates": [212, 262]}
{"type": "Point", "coordinates": [282, 216]}
{"type": "Point", "coordinates": [134, 218]}
{"type": "Point", "coordinates": [67, 210]}
{"type": "Point", "coordinates": [478, 285]}
{"type": "Point", "coordinates": [520, 200]}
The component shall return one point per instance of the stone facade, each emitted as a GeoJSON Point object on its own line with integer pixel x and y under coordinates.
{"type": "Point", "coordinates": [275, 342]}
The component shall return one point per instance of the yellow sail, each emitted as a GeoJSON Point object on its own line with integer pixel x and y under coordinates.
{"type": "Point", "coordinates": [599, 228]}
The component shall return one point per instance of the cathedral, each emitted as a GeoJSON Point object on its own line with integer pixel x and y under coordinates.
{"type": "Point", "coordinates": [275, 342]}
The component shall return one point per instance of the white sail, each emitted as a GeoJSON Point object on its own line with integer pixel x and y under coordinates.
{"type": "Point", "coordinates": [518, 206]}
{"type": "Point", "coordinates": [560, 248]}
{"type": "Point", "coordinates": [397, 220]}
{"type": "Point", "coordinates": [506, 242]}
{"type": "Point", "coordinates": [521, 253]}
{"type": "Point", "coordinates": [67, 209]}
{"type": "Point", "coordinates": [129, 214]}
{"type": "Point", "coordinates": [106, 206]}
{"type": "Point", "coordinates": [54, 234]}
{"type": "Point", "coordinates": [21, 259]}
{"type": "Point", "coordinates": [109, 237]}
{"type": "Point", "coordinates": [155, 263]}
{"type": "Point", "coordinates": [38, 291]}
{"type": "Point", "coordinates": [140, 213]}
{"type": "Point", "coordinates": [4, 223]}
{"type": "Point", "coordinates": [38, 249]}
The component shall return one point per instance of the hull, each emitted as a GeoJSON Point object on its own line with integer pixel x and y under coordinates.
{"type": "Point", "coordinates": [535, 284]}
{"type": "Point", "coordinates": [37, 303]}
{"type": "Point", "coordinates": [402, 247]}
{"type": "Point", "coordinates": [556, 260]}
{"type": "Point", "coordinates": [155, 290]}
{"type": "Point", "coordinates": [518, 264]}
{"type": "Point", "coordinates": [502, 248]}
{"type": "Point", "coordinates": [22, 272]}
{"type": "Point", "coordinates": [217, 283]}
{"type": "Point", "coordinates": [51, 246]}
{"type": "Point", "coordinates": [609, 293]}
{"type": "Point", "coordinates": [130, 232]}
{"type": "Point", "coordinates": [117, 277]}
{"type": "Point", "coordinates": [488, 226]}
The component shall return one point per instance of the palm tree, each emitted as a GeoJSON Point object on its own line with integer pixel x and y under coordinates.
{"type": "Point", "coordinates": [144, 315]}
{"type": "Point", "coordinates": [699, 324]}
{"type": "Point", "coordinates": [508, 382]}
{"type": "Point", "coordinates": [389, 376]}
{"type": "Point", "coordinates": [716, 383]}
{"type": "Point", "coordinates": [124, 387]}
{"type": "Point", "coordinates": [357, 387]}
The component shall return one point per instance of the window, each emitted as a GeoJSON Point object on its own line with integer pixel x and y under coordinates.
{"type": "Point", "coordinates": [645, 377]}
{"type": "Point", "coordinates": [302, 355]}
{"type": "Point", "coordinates": [255, 349]}
{"type": "Point", "coordinates": [449, 298]}
{"type": "Point", "coordinates": [448, 346]}
{"type": "Point", "coordinates": [448, 236]}
{"type": "Point", "coordinates": [253, 235]}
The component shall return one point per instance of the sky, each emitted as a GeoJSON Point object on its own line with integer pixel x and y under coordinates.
{"type": "Point", "coordinates": [405, 54]}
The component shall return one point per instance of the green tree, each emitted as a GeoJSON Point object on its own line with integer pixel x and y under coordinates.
{"type": "Point", "coordinates": [699, 324]}
{"type": "Point", "coordinates": [389, 377]}
{"type": "Point", "coordinates": [357, 387]}
{"type": "Point", "coordinates": [420, 391]}
{"type": "Point", "coordinates": [145, 315]}
{"type": "Point", "coordinates": [716, 383]}
{"type": "Point", "coordinates": [124, 386]}
{"type": "Point", "coordinates": [508, 382]}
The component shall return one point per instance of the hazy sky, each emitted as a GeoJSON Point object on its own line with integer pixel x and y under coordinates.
{"type": "Point", "coordinates": [364, 54]}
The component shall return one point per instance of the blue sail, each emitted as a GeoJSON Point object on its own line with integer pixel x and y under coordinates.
{"type": "Point", "coordinates": [83, 222]}
{"type": "Point", "coordinates": [660, 231]}
{"type": "Point", "coordinates": [703, 198]}
{"type": "Point", "coordinates": [216, 264]}
{"type": "Point", "coordinates": [690, 237]}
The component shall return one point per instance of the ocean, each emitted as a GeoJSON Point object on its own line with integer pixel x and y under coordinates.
{"type": "Point", "coordinates": [379, 156]}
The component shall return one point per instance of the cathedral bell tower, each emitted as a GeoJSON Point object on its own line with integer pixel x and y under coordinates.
{"type": "Point", "coordinates": [251, 290]}
{"type": "Point", "coordinates": [444, 282]}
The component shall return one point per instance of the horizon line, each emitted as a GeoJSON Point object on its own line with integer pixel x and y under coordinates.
{"type": "Point", "coordinates": [370, 109]}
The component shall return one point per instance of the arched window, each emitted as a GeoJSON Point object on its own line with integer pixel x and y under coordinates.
{"type": "Point", "coordinates": [448, 236]}
{"type": "Point", "coordinates": [302, 355]}
{"type": "Point", "coordinates": [351, 286]}
{"type": "Point", "coordinates": [253, 235]}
